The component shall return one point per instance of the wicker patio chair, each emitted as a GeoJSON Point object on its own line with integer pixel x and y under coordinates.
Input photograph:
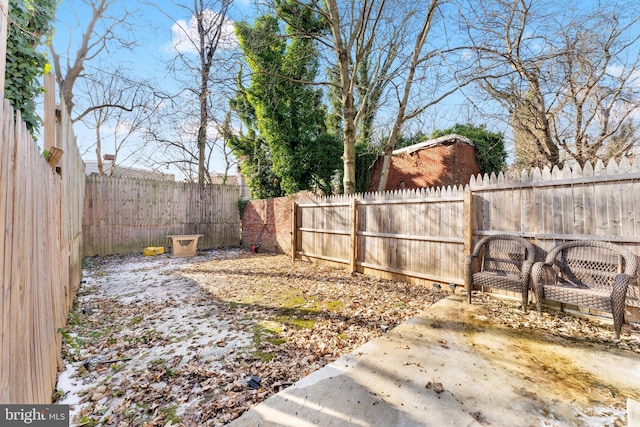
{"type": "Point", "coordinates": [502, 261]}
{"type": "Point", "coordinates": [590, 274]}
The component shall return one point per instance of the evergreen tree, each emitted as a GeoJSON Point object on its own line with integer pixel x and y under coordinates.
{"type": "Point", "coordinates": [288, 113]}
{"type": "Point", "coordinates": [489, 145]}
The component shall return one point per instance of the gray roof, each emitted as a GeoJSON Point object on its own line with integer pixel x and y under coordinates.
{"type": "Point", "coordinates": [432, 143]}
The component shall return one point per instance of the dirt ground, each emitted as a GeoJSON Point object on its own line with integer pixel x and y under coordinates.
{"type": "Point", "coordinates": [161, 340]}
{"type": "Point", "coordinates": [197, 341]}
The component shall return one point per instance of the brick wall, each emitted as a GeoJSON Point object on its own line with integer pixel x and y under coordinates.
{"type": "Point", "coordinates": [436, 166]}
{"type": "Point", "coordinates": [273, 217]}
{"type": "Point", "coordinates": [440, 165]}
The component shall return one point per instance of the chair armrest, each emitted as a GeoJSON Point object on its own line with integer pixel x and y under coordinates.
{"type": "Point", "coordinates": [471, 266]}
{"type": "Point", "coordinates": [542, 273]}
{"type": "Point", "coordinates": [527, 267]}
{"type": "Point", "coordinates": [621, 283]}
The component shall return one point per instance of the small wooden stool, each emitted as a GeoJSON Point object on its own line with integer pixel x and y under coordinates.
{"type": "Point", "coordinates": [183, 245]}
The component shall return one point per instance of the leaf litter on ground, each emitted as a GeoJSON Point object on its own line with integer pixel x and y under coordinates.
{"type": "Point", "coordinates": [158, 341]}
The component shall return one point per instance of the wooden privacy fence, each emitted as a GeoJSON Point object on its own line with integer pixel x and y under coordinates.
{"type": "Point", "coordinates": [40, 259]}
{"type": "Point", "coordinates": [126, 215]}
{"type": "Point", "coordinates": [425, 234]}
{"type": "Point", "coordinates": [416, 233]}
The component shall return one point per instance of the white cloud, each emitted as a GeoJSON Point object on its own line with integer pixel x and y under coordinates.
{"type": "Point", "coordinates": [632, 76]}
{"type": "Point", "coordinates": [185, 35]}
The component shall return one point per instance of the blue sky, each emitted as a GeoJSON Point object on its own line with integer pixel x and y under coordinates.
{"type": "Point", "coordinates": [153, 33]}
{"type": "Point", "coordinates": [153, 30]}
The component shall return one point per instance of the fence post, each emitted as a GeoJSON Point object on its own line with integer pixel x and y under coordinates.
{"type": "Point", "coordinates": [50, 111]}
{"type": "Point", "coordinates": [468, 222]}
{"type": "Point", "coordinates": [353, 253]}
{"type": "Point", "coordinates": [294, 229]}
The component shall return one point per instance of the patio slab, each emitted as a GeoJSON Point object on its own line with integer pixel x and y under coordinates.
{"type": "Point", "coordinates": [452, 366]}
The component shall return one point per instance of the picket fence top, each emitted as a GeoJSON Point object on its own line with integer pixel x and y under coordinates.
{"type": "Point", "coordinates": [624, 170]}
{"type": "Point", "coordinates": [613, 171]}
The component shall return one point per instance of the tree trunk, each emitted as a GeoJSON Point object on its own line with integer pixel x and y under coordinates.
{"type": "Point", "coordinates": [349, 155]}
{"type": "Point", "coordinates": [384, 173]}
{"type": "Point", "coordinates": [402, 107]}
{"type": "Point", "coordinates": [205, 69]}
{"type": "Point", "coordinates": [99, 152]}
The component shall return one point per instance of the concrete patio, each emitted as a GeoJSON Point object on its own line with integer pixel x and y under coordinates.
{"type": "Point", "coordinates": [452, 366]}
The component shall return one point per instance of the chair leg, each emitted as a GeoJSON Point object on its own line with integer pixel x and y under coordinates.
{"type": "Point", "coordinates": [618, 316]}
{"type": "Point", "coordinates": [618, 296]}
{"type": "Point", "coordinates": [538, 295]}
{"type": "Point", "coordinates": [618, 320]}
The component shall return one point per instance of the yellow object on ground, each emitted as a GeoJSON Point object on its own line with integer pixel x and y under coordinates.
{"type": "Point", "coordinates": [150, 251]}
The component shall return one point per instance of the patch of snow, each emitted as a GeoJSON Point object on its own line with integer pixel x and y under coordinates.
{"type": "Point", "coordinates": [186, 320]}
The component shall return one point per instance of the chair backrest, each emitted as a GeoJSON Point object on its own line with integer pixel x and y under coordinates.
{"type": "Point", "coordinates": [592, 264]}
{"type": "Point", "coordinates": [501, 254]}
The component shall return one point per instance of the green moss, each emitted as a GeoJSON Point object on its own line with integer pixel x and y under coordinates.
{"type": "Point", "coordinates": [271, 326]}
{"type": "Point", "coordinates": [303, 323]}
{"type": "Point", "coordinates": [266, 332]}
{"type": "Point", "coordinates": [170, 414]}
{"type": "Point", "coordinates": [335, 305]}
{"type": "Point", "coordinates": [297, 322]}
{"type": "Point", "coordinates": [295, 302]}
{"type": "Point", "coordinates": [276, 341]}
{"type": "Point", "coordinates": [265, 356]}
{"type": "Point", "coordinates": [87, 422]}
{"type": "Point", "coordinates": [115, 367]}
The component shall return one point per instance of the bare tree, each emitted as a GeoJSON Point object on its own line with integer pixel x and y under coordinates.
{"type": "Point", "coordinates": [353, 30]}
{"type": "Point", "coordinates": [99, 93]}
{"type": "Point", "coordinates": [173, 132]}
{"type": "Point", "coordinates": [101, 32]}
{"type": "Point", "coordinates": [378, 50]}
{"type": "Point", "coordinates": [417, 59]}
{"type": "Point", "coordinates": [596, 112]}
{"type": "Point", "coordinates": [202, 67]}
{"type": "Point", "coordinates": [122, 110]}
{"type": "Point", "coordinates": [210, 33]}
{"type": "Point", "coordinates": [565, 76]}
{"type": "Point", "coordinates": [361, 41]}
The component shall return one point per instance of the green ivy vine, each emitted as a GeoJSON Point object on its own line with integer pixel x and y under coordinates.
{"type": "Point", "coordinates": [30, 24]}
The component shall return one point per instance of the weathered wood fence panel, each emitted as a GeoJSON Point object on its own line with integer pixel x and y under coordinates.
{"type": "Point", "coordinates": [40, 209]}
{"type": "Point", "coordinates": [594, 203]}
{"type": "Point", "coordinates": [412, 233]}
{"type": "Point", "coordinates": [421, 234]}
{"type": "Point", "coordinates": [126, 215]}
{"type": "Point", "coordinates": [71, 170]}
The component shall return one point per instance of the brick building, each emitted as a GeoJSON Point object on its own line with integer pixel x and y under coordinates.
{"type": "Point", "coordinates": [445, 161]}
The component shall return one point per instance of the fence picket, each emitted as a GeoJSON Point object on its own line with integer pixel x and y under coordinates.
{"type": "Point", "coordinates": [578, 202]}
{"type": "Point", "coordinates": [125, 215]}
{"type": "Point", "coordinates": [417, 233]}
